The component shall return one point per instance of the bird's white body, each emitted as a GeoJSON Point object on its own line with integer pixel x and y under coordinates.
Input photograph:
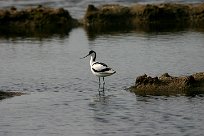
{"type": "Point", "coordinates": [97, 68]}
{"type": "Point", "coordinates": [100, 69]}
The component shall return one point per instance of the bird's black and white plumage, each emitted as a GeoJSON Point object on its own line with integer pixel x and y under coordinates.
{"type": "Point", "coordinates": [99, 69]}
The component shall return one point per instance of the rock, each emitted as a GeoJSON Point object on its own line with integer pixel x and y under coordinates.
{"type": "Point", "coordinates": [35, 20]}
{"type": "Point", "coordinates": [8, 94]}
{"type": "Point", "coordinates": [169, 85]}
{"type": "Point", "coordinates": [146, 80]}
{"type": "Point", "coordinates": [165, 12]}
{"type": "Point", "coordinates": [107, 15]}
{"type": "Point", "coordinates": [43, 21]}
{"type": "Point", "coordinates": [38, 16]}
{"type": "Point", "coordinates": [199, 76]}
{"type": "Point", "coordinates": [149, 16]}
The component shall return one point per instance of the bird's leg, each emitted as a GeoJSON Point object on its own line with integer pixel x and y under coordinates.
{"type": "Point", "coordinates": [99, 82]}
{"type": "Point", "coordinates": [103, 86]}
{"type": "Point", "coordinates": [103, 81]}
{"type": "Point", "coordinates": [99, 92]}
{"type": "Point", "coordinates": [103, 90]}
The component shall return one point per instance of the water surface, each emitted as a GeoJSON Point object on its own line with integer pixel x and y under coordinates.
{"type": "Point", "coordinates": [62, 94]}
{"type": "Point", "coordinates": [62, 97]}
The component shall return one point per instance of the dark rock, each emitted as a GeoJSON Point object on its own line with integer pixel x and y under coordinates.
{"type": "Point", "coordinates": [106, 15]}
{"type": "Point", "coordinates": [8, 94]}
{"type": "Point", "coordinates": [155, 16]}
{"type": "Point", "coordinates": [166, 12]}
{"type": "Point", "coordinates": [91, 8]}
{"type": "Point", "coordinates": [169, 85]}
{"type": "Point", "coordinates": [36, 20]}
{"type": "Point", "coordinates": [146, 80]}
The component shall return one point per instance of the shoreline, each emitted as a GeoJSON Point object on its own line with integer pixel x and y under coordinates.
{"type": "Point", "coordinates": [40, 20]}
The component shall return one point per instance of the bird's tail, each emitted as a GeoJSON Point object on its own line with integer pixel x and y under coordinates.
{"type": "Point", "coordinates": [112, 71]}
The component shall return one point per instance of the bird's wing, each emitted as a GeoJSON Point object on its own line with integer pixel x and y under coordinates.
{"type": "Point", "coordinates": [100, 67]}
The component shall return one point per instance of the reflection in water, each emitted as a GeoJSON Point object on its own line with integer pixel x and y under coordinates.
{"type": "Point", "coordinates": [10, 31]}
{"type": "Point", "coordinates": [101, 90]}
{"type": "Point", "coordinates": [93, 32]}
{"type": "Point", "coordinates": [101, 109]}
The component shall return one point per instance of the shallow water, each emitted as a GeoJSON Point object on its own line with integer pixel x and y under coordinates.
{"type": "Point", "coordinates": [62, 94]}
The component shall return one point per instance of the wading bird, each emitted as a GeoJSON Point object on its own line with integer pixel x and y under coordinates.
{"type": "Point", "coordinates": [99, 69]}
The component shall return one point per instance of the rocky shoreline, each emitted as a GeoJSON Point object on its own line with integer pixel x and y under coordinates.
{"type": "Point", "coordinates": [189, 15]}
{"type": "Point", "coordinates": [40, 20]}
{"type": "Point", "coordinates": [169, 85]}
{"type": "Point", "coordinates": [35, 21]}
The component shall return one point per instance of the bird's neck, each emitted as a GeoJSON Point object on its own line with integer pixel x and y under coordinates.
{"type": "Point", "coordinates": [93, 59]}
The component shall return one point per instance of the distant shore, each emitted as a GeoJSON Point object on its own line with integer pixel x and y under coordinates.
{"type": "Point", "coordinates": [37, 22]}
{"type": "Point", "coordinates": [40, 20]}
{"type": "Point", "coordinates": [190, 15]}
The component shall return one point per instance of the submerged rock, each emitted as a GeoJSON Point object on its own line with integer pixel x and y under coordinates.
{"type": "Point", "coordinates": [8, 94]}
{"type": "Point", "coordinates": [169, 85]}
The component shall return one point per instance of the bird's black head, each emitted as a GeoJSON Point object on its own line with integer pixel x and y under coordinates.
{"type": "Point", "coordinates": [91, 51]}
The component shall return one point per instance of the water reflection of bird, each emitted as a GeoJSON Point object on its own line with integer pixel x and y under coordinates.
{"type": "Point", "coordinates": [99, 69]}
